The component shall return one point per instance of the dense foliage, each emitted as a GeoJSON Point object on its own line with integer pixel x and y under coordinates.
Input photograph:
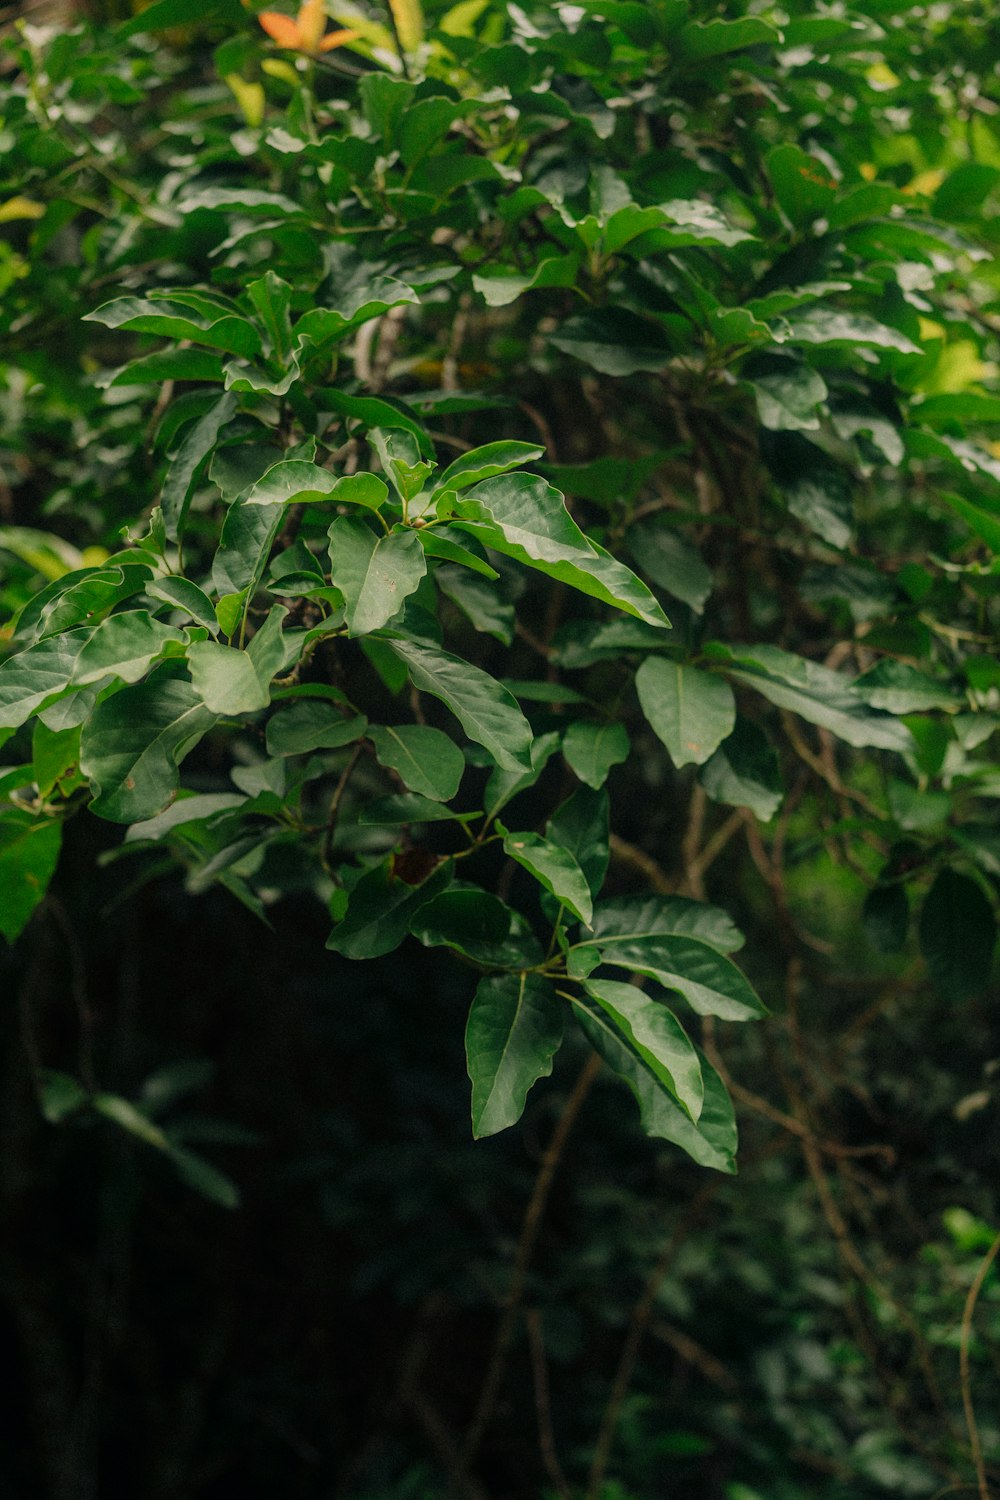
{"type": "Point", "coordinates": [510, 493]}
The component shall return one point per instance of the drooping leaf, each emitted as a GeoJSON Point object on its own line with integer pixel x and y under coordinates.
{"type": "Point", "coordinates": [554, 867]}
{"type": "Point", "coordinates": [514, 1029]}
{"type": "Point", "coordinates": [133, 744]}
{"type": "Point", "coordinates": [525, 518]}
{"type": "Point", "coordinates": [592, 748]}
{"type": "Point", "coordinates": [379, 911]}
{"type": "Point", "coordinates": [656, 1037]}
{"type": "Point", "coordinates": [670, 561]}
{"type": "Point", "coordinates": [710, 983]}
{"type": "Point", "coordinates": [486, 711]}
{"type": "Point", "coordinates": [744, 772]}
{"type": "Point", "coordinates": [581, 825]}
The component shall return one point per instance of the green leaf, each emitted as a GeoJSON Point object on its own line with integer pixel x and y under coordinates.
{"type": "Point", "coordinates": [217, 326]}
{"type": "Point", "coordinates": [479, 926]}
{"type": "Point", "coordinates": [616, 342]}
{"type": "Point", "coordinates": [581, 825]}
{"type": "Point", "coordinates": [816, 693]}
{"type": "Point", "coordinates": [379, 911]}
{"type": "Point", "coordinates": [437, 544]}
{"type": "Point", "coordinates": [555, 868]}
{"type": "Point", "coordinates": [131, 747]}
{"type": "Point", "coordinates": [802, 184]}
{"type": "Point", "coordinates": [189, 461]}
{"type": "Point", "coordinates": [958, 933]}
{"type": "Point", "coordinates": [691, 711]}
{"type": "Point", "coordinates": [704, 39]}
{"type": "Point", "coordinates": [374, 574]}
{"type": "Point", "coordinates": [484, 606]}
{"type": "Point", "coordinates": [163, 15]}
{"type": "Point", "coordinates": [657, 1038]}
{"type": "Point", "coordinates": [272, 297]}
{"type": "Point", "coordinates": [185, 810]}
{"type": "Point", "coordinates": [670, 561]}
{"type": "Point", "coordinates": [744, 772]}
{"type": "Point", "coordinates": [825, 325]}
{"type": "Point", "coordinates": [525, 518]}
{"type": "Point", "coordinates": [54, 753]}
{"type": "Point", "coordinates": [29, 852]}
{"type": "Point", "coordinates": [504, 785]}
{"type": "Point", "coordinates": [230, 681]}
{"type": "Point", "coordinates": [501, 286]}
{"type": "Point", "coordinates": [592, 748]}
{"type": "Point", "coordinates": [487, 462]}
{"type": "Point", "coordinates": [187, 597]}
{"type": "Point", "coordinates": [294, 480]}
{"type": "Point", "coordinates": [788, 394]}
{"type": "Point", "coordinates": [124, 1114]}
{"type": "Point", "coordinates": [426, 760]}
{"type": "Point", "coordinates": [514, 1030]}
{"type": "Point", "coordinates": [486, 711]}
{"type": "Point", "coordinates": [902, 689]}
{"type": "Point", "coordinates": [59, 1095]}
{"type": "Point", "coordinates": [312, 724]}
{"type": "Point", "coordinates": [125, 646]}
{"type": "Point", "coordinates": [408, 807]}
{"type": "Point", "coordinates": [38, 676]}
{"type": "Point", "coordinates": [712, 1142]}
{"type": "Point", "coordinates": [709, 982]}
{"type": "Point", "coordinates": [627, 917]}
{"type": "Point", "coordinates": [170, 364]}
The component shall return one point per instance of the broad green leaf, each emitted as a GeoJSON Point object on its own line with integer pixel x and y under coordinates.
{"type": "Point", "coordinates": [38, 676]}
{"type": "Point", "coordinates": [958, 932]}
{"type": "Point", "coordinates": [312, 724]}
{"type": "Point", "coordinates": [514, 1030]}
{"type": "Point", "coordinates": [377, 411]}
{"type": "Point", "coordinates": [592, 748]}
{"type": "Point", "coordinates": [902, 689]}
{"type": "Point", "coordinates": [272, 297]}
{"type": "Point", "coordinates": [985, 523]}
{"type": "Point", "coordinates": [230, 681]}
{"type": "Point", "coordinates": [485, 463]}
{"type": "Point", "coordinates": [483, 605]}
{"type": "Point", "coordinates": [670, 561]}
{"type": "Point", "coordinates": [374, 574]}
{"type": "Point", "coordinates": [627, 917]}
{"type": "Point", "coordinates": [379, 911]}
{"type": "Point", "coordinates": [616, 342]}
{"type": "Point", "coordinates": [486, 711]}
{"type": "Point", "coordinates": [437, 544]}
{"type": "Point", "coordinates": [29, 852]}
{"type": "Point", "coordinates": [825, 325]}
{"type": "Point", "coordinates": [788, 395]}
{"type": "Point", "coordinates": [554, 867]}
{"type": "Point", "coordinates": [501, 286]}
{"type": "Point", "coordinates": [426, 760]}
{"type": "Point", "coordinates": [479, 926]}
{"type": "Point", "coordinates": [170, 364]}
{"type": "Point", "coordinates": [814, 692]}
{"type": "Point", "coordinates": [125, 646]}
{"type": "Point", "coordinates": [691, 711]}
{"type": "Point", "coordinates": [131, 747]}
{"type": "Point", "coordinates": [94, 594]}
{"type": "Point", "coordinates": [744, 772]}
{"type": "Point", "coordinates": [54, 754]}
{"type": "Point", "coordinates": [525, 518]}
{"type": "Point", "coordinates": [656, 1037]}
{"type": "Point", "coordinates": [504, 785]}
{"type": "Point", "coordinates": [296, 480]}
{"type": "Point", "coordinates": [581, 825]}
{"type": "Point", "coordinates": [704, 39]}
{"type": "Point", "coordinates": [218, 327]}
{"type": "Point", "coordinates": [712, 1142]}
{"type": "Point", "coordinates": [709, 982]}
{"type": "Point", "coordinates": [402, 460]}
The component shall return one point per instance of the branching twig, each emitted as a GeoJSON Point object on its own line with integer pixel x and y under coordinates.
{"type": "Point", "coordinates": [975, 1442]}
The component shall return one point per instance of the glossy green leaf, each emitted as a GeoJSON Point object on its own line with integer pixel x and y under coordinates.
{"type": "Point", "coordinates": [375, 574]}
{"type": "Point", "coordinates": [487, 462]}
{"type": "Point", "coordinates": [628, 917]}
{"type": "Point", "coordinates": [125, 646]}
{"type": "Point", "coordinates": [38, 676]}
{"type": "Point", "coordinates": [187, 597]}
{"type": "Point", "coordinates": [555, 868]}
{"type": "Point", "coordinates": [131, 747]}
{"type": "Point", "coordinates": [709, 982]}
{"type": "Point", "coordinates": [312, 724]}
{"type": "Point", "coordinates": [426, 760]}
{"type": "Point", "coordinates": [670, 561]}
{"type": "Point", "coordinates": [481, 604]}
{"type": "Point", "coordinates": [189, 461]}
{"type": "Point", "coordinates": [582, 826]}
{"type": "Point", "coordinates": [479, 926]}
{"type": "Point", "coordinates": [514, 1029]}
{"type": "Point", "coordinates": [691, 711]}
{"type": "Point", "coordinates": [525, 518]}
{"type": "Point", "coordinates": [704, 39]}
{"type": "Point", "coordinates": [486, 711]}
{"type": "Point", "coordinates": [657, 1038]}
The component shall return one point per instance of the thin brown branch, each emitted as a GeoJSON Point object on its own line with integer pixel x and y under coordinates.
{"type": "Point", "coordinates": [543, 1405]}
{"type": "Point", "coordinates": [975, 1442]}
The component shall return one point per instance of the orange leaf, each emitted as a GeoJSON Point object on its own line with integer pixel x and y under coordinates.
{"type": "Point", "coordinates": [311, 24]}
{"type": "Point", "coordinates": [337, 39]}
{"type": "Point", "coordinates": [281, 29]}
